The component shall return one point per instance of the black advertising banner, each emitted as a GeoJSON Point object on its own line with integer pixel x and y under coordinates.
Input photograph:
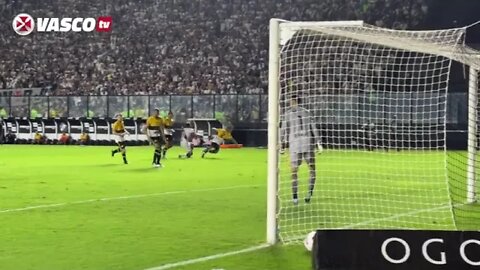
{"type": "Point", "coordinates": [396, 250]}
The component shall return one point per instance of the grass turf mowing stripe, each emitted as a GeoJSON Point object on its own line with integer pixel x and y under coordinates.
{"type": "Point", "coordinates": [208, 258]}
{"type": "Point", "coordinates": [121, 198]}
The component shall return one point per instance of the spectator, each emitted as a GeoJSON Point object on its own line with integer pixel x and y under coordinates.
{"type": "Point", "coordinates": [84, 139]}
{"type": "Point", "coordinates": [10, 138]}
{"type": "Point", "coordinates": [64, 139]}
{"type": "Point", "coordinates": [1, 131]}
{"type": "Point", "coordinates": [199, 46]}
{"type": "Point", "coordinates": [3, 113]}
{"type": "Point", "coordinates": [38, 138]}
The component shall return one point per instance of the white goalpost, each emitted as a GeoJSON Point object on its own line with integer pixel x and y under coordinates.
{"type": "Point", "coordinates": [375, 99]}
{"type": "Point", "coordinates": [472, 135]}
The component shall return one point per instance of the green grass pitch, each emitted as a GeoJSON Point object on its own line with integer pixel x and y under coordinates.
{"type": "Point", "coordinates": [71, 207]}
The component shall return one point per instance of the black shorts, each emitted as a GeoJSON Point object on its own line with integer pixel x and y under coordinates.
{"type": "Point", "coordinates": [158, 140]}
{"type": "Point", "coordinates": [169, 138]}
{"type": "Point", "coordinates": [214, 148]}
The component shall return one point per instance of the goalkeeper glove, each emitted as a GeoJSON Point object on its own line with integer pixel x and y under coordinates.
{"type": "Point", "coordinates": [283, 146]}
{"type": "Point", "coordinates": [319, 147]}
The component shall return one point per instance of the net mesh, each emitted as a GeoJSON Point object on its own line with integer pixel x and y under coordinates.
{"type": "Point", "coordinates": [460, 161]}
{"type": "Point", "coordinates": [377, 99]}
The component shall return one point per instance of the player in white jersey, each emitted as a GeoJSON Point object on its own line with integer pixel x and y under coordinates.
{"type": "Point", "coordinates": [188, 141]}
{"type": "Point", "coordinates": [214, 145]}
{"type": "Point", "coordinates": [299, 131]}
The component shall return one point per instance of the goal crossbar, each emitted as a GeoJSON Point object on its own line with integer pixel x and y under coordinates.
{"type": "Point", "coordinates": [404, 40]}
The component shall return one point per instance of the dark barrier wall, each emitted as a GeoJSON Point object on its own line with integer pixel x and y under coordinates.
{"type": "Point", "coordinates": [251, 137]}
{"type": "Point", "coordinates": [455, 139]}
{"type": "Point", "coordinates": [258, 138]}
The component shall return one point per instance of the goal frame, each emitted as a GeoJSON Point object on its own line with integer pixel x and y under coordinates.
{"type": "Point", "coordinates": [275, 42]}
{"type": "Point", "coordinates": [273, 115]}
{"type": "Point", "coordinates": [472, 135]}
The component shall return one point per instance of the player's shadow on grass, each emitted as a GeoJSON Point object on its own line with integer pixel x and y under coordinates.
{"type": "Point", "coordinates": [213, 158]}
{"type": "Point", "coordinates": [144, 169]}
{"type": "Point", "coordinates": [106, 165]}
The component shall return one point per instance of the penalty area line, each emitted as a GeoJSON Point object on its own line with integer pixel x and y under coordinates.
{"type": "Point", "coordinates": [208, 258]}
{"type": "Point", "coordinates": [56, 205]}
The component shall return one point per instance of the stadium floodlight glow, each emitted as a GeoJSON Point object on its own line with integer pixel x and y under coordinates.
{"type": "Point", "coordinates": [378, 98]}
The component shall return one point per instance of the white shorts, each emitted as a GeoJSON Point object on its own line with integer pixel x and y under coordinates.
{"type": "Point", "coordinates": [119, 138]}
{"type": "Point", "coordinates": [297, 158]}
{"type": "Point", "coordinates": [168, 131]}
{"type": "Point", "coordinates": [186, 145]}
{"type": "Point", "coordinates": [153, 133]}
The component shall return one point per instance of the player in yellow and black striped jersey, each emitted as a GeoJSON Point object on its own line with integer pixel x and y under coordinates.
{"type": "Point", "coordinates": [168, 125]}
{"type": "Point", "coordinates": [215, 141]}
{"type": "Point", "coordinates": [226, 135]}
{"type": "Point", "coordinates": [155, 133]}
{"type": "Point", "coordinates": [118, 129]}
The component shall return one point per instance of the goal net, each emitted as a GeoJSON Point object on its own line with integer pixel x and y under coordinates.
{"type": "Point", "coordinates": [463, 167]}
{"type": "Point", "coordinates": [357, 131]}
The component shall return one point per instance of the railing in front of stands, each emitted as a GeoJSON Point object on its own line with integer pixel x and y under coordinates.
{"type": "Point", "coordinates": [231, 108]}
{"type": "Point", "coordinates": [236, 109]}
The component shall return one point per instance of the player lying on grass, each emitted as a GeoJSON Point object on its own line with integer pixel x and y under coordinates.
{"type": "Point", "coordinates": [155, 134]}
{"type": "Point", "coordinates": [299, 131]}
{"type": "Point", "coordinates": [118, 130]}
{"type": "Point", "coordinates": [226, 135]}
{"type": "Point", "coordinates": [188, 141]}
{"type": "Point", "coordinates": [168, 125]}
{"type": "Point", "coordinates": [213, 146]}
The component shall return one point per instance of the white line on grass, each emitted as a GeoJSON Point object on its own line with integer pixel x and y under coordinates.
{"type": "Point", "coordinates": [54, 205]}
{"type": "Point", "coordinates": [367, 222]}
{"type": "Point", "coordinates": [392, 217]}
{"type": "Point", "coordinates": [208, 258]}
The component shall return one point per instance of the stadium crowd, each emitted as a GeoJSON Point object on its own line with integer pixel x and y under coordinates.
{"type": "Point", "coordinates": [168, 46]}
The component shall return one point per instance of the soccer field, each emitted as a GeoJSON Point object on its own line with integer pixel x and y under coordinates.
{"type": "Point", "coordinates": [71, 207]}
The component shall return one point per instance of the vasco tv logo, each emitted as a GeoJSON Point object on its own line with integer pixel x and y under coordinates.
{"type": "Point", "coordinates": [24, 24]}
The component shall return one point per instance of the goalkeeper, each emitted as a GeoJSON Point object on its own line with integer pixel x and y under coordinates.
{"type": "Point", "coordinates": [300, 133]}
